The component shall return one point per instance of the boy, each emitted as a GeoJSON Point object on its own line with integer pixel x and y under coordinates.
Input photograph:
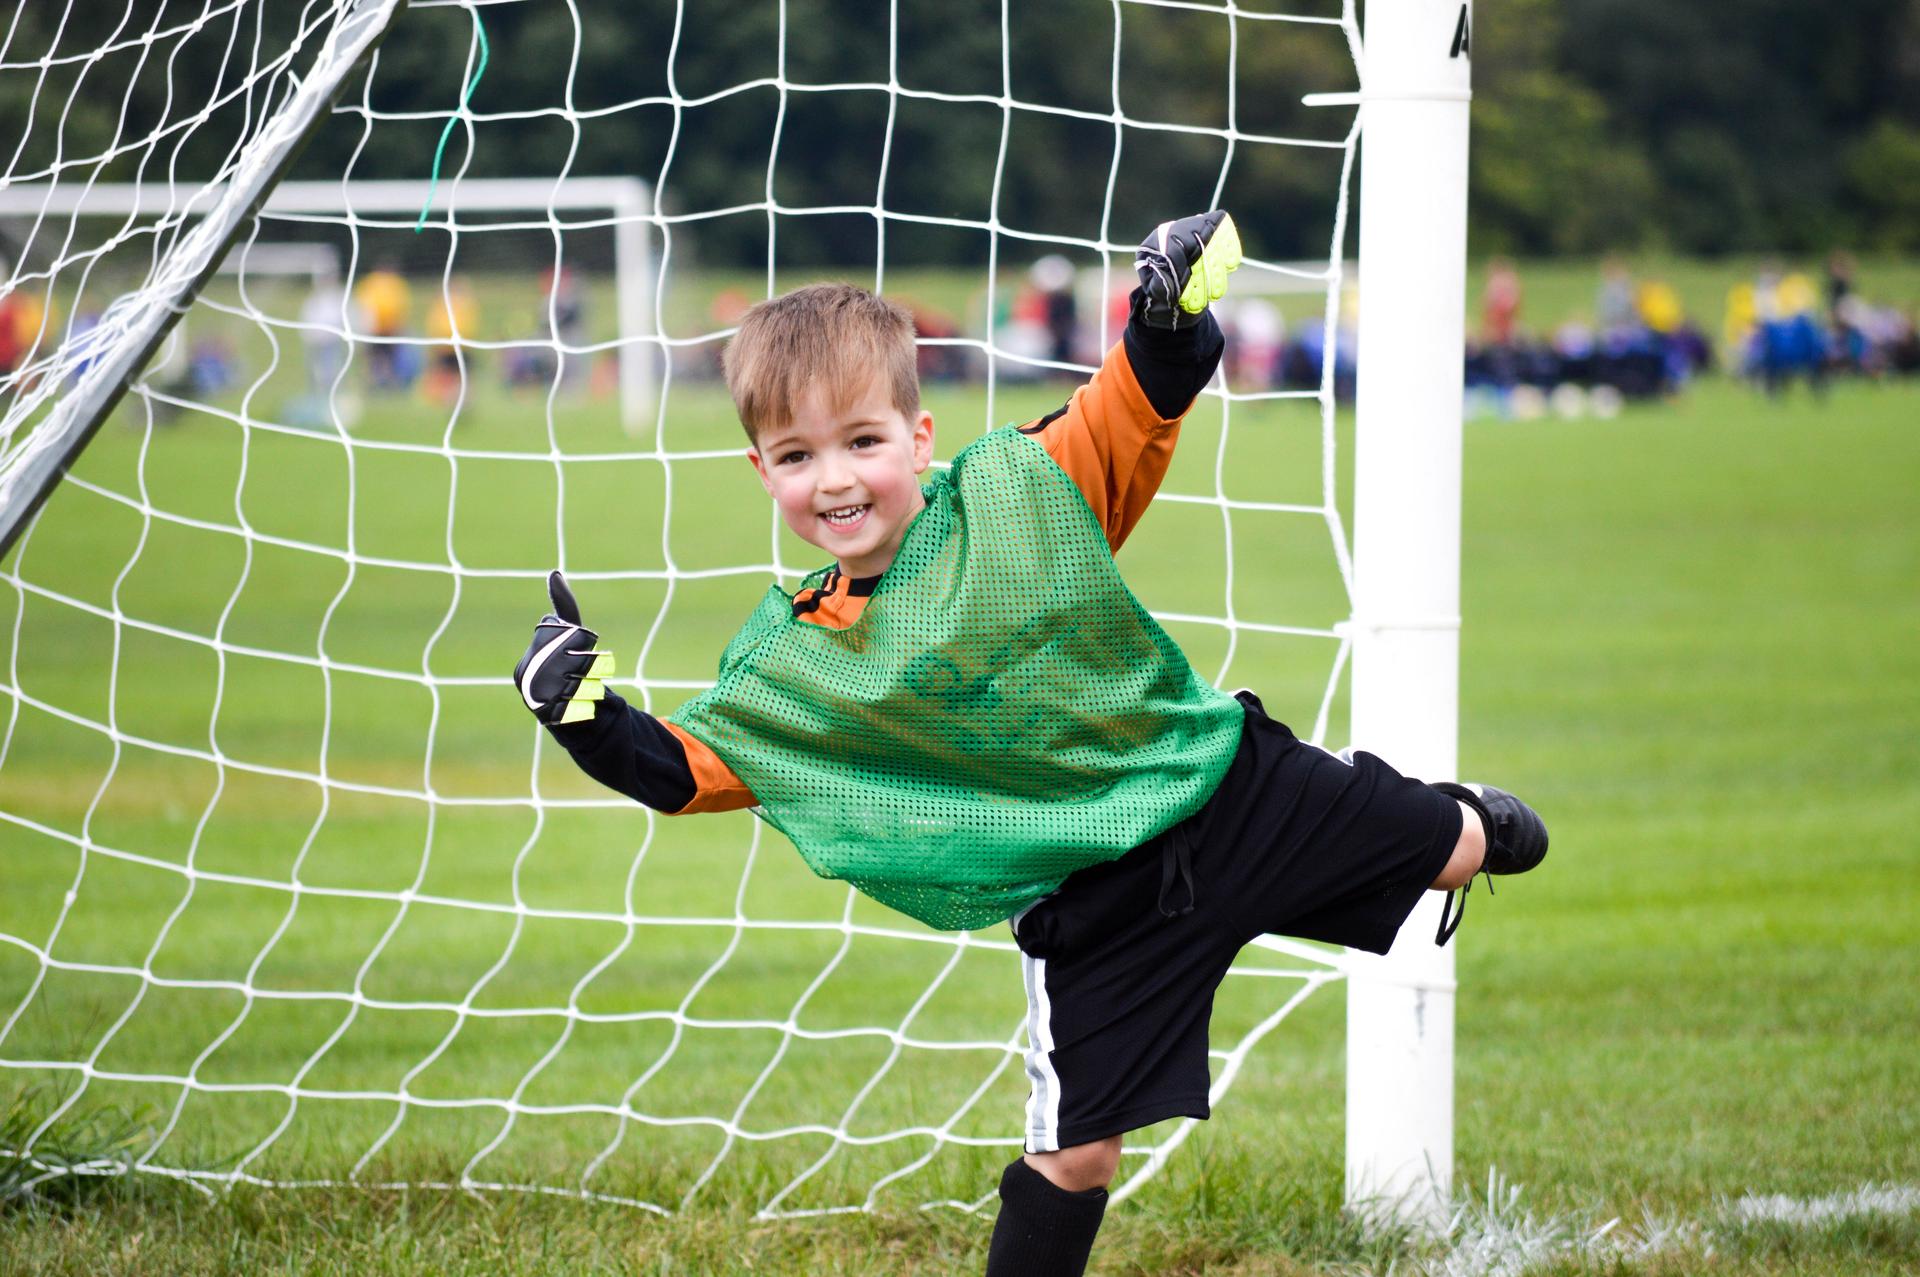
{"type": "Point", "coordinates": [970, 718]}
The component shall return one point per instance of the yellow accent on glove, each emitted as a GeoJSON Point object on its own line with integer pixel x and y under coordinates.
{"type": "Point", "coordinates": [1207, 281]}
{"type": "Point", "coordinates": [592, 689]}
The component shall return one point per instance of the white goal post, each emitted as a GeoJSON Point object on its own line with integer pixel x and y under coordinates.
{"type": "Point", "coordinates": [1415, 89]}
{"type": "Point", "coordinates": [1400, 577]}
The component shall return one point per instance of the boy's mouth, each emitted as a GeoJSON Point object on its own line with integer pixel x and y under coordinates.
{"type": "Point", "coordinates": [847, 516]}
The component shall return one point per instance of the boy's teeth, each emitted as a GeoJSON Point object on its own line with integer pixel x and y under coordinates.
{"type": "Point", "coordinates": [845, 514]}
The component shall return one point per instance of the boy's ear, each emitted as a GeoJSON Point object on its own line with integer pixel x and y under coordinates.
{"type": "Point", "coordinates": [922, 442]}
{"type": "Point", "coordinates": [760, 468]}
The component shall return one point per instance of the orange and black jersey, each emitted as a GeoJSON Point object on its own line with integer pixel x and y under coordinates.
{"type": "Point", "coordinates": [1114, 438]}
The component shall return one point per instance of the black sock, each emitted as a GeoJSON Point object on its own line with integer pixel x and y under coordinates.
{"type": "Point", "coordinates": [1043, 1230]}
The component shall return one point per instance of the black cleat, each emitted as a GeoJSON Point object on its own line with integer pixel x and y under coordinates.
{"type": "Point", "coordinates": [1516, 836]}
{"type": "Point", "coordinates": [1516, 841]}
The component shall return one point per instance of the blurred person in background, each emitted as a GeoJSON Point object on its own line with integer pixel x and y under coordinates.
{"type": "Point", "coordinates": [210, 366]}
{"type": "Point", "coordinates": [1683, 348]}
{"type": "Point", "coordinates": [1873, 341]}
{"type": "Point", "coordinates": [1614, 304]}
{"type": "Point", "coordinates": [529, 364]}
{"type": "Point", "coordinates": [321, 316]}
{"type": "Point", "coordinates": [1903, 342]}
{"type": "Point", "coordinates": [80, 344]}
{"type": "Point", "coordinates": [1044, 322]}
{"type": "Point", "coordinates": [1257, 333]}
{"type": "Point", "coordinates": [1789, 342]}
{"type": "Point", "coordinates": [455, 318]}
{"type": "Point", "coordinates": [1863, 338]}
{"type": "Point", "coordinates": [1657, 306]}
{"type": "Point", "coordinates": [1738, 325]}
{"type": "Point", "coordinates": [1839, 282]}
{"type": "Point", "coordinates": [1500, 303]}
{"type": "Point", "coordinates": [1574, 344]}
{"type": "Point", "coordinates": [23, 317]}
{"type": "Point", "coordinates": [385, 304]}
{"type": "Point", "coordinates": [1494, 364]}
{"type": "Point", "coordinates": [939, 361]}
{"type": "Point", "coordinates": [564, 314]}
{"type": "Point", "coordinates": [11, 349]}
{"type": "Point", "coordinates": [1304, 357]}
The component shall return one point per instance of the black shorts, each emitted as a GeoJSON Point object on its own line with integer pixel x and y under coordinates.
{"type": "Point", "coordinates": [1120, 982]}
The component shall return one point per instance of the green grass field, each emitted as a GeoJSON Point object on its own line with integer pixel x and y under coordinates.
{"type": "Point", "coordinates": [1690, 639]}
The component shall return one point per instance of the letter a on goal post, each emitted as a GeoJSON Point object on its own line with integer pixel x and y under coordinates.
{"type": "Point", "coordinates": [1415, 81]}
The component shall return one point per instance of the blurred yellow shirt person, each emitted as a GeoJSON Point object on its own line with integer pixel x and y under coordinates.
{"type": "Point", "coordinates": [1797, 294]}
{"type": "Point", "coordinates": [1659, 306]}
{"type": "Point", "coordinates": [385, 304]}
{"type": "Point", "coordinates": [455, 313]}
{"type": "Point", "coordinates": [1742, 311]}
{"type": "Point", "coordinates": [385, 300]}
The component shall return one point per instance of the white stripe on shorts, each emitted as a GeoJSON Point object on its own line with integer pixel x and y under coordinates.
{"type": "Point", "coordinates": [1043, 1101]}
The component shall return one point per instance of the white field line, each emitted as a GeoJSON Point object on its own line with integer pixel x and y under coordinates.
{"type": "Point", "coordinates": [1870, 1199]}
{"type": "Point", "coordinates": [1498, 1237]}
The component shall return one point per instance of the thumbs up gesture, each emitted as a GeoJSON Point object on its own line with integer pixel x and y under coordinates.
{"type": "Point", "coordinates": [561, 676]}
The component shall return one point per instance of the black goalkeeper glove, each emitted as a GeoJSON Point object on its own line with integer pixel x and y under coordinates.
{"type": "Point", "coordinates": [560, 677]}
{"type": "Point", "coordinates": [1183, 266]}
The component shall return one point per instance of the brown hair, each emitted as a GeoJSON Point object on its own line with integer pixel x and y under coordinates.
{"type": "Point", "coordinates": [835, 335]}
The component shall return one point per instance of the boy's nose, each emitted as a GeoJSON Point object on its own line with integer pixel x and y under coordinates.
{"type": "Point", "coordinates": [834, 476]}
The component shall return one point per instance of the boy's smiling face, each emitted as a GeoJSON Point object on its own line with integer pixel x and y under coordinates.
{"type": "Point", "coordinates": [847, 476]}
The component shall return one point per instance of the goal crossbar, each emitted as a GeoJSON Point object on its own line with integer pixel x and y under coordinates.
{"type": "Point", "coordinates": [627, 202]}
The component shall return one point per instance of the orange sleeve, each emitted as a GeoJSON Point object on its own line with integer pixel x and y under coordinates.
{"type": "Point", "coordinates": [1112, 444]}
{"type": "Point", "coordinates": [715, 787]}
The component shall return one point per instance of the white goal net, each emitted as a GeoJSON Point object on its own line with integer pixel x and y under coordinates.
{"type": "Point", "coordinates": [289, 876]}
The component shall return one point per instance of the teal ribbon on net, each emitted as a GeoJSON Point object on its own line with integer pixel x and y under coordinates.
{"type": "Point", "coordinates": [433, 183]}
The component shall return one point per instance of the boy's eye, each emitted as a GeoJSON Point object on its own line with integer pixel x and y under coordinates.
{"type": "Point", "coordinates": [791, 458]}
{"type": "Point", "coordinates": [866, 441]}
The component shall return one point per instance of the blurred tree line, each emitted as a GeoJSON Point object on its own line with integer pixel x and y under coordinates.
{"type": "Point", "coordinates": [1737, 126]}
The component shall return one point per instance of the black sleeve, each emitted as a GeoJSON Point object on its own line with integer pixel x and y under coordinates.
{"type": "Point", "coordinates": [631, 751]}
{"type": "Point", "coordinates": [1173, 365]}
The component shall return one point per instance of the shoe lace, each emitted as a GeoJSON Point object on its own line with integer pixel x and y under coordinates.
{"type": "Point", "coordinates": [1447, 910]}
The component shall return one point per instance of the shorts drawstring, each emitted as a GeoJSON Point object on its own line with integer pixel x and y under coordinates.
{"type": "Point", "coordinates": [1177, 857]}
